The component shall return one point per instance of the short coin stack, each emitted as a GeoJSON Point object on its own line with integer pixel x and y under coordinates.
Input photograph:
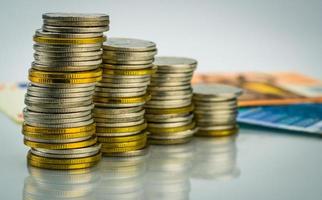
{"type": "Point", "coordinates": [216, 109]}
{"type": "Point", "coordinates": [169, 112]}
{"type": "Point", "coordinates": [58, 125]}
{"type": "Point", "coordinates": [121, 94]}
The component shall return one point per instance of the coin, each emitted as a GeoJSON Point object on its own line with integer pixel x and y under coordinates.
{"type": "Point", "coordinates": [128, 44]}
{"type": "Point", "coordinates": [68, 29]}
{"type": "Point", "coordinates": [74, 17]}
{"type": "Point", "coordinates": [138, 152]}
{"type": "Point", "coordinates": [61, 167]}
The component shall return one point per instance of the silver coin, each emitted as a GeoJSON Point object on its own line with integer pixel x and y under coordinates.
{"type": "Point", "coordinates": [125, 79]}
{"type": "Point", "coordinates": [47, 59]}
{"type": "Point", "coordinates": [170, 124]}
{"type": "Point", "coordinates": [89, 149]}
{"type": "Point", "coordinates": [177, 135]}
{"type": "Point", "coordinates": [57, 141]}
{"type": "Point", "coordinates": [116, 134]}
{"type": "Point", "coordinates": [168, 104]}
{"type": "Point", "coordinates": [171, 93]}
{"type": "Point", "coordinates": [28, 113]}
{"type": "Point", "coordinates": [69, 64]}
{"type": "Point", "coordinates": [169, 98]}
{"type": "Point", "coordinates": [118, 120]}
{"type": "Point", "coordinates": [217, 127]}
{"type": "Point", "coordinates": [109, 115]}
{"type": "Point", "coordinates": [215, 123]}
{"type": "Point", "coordinates": [35, 88]}
{"type": "Point", "coordinates": [141, 55]}
{"type": "Point", "coordinates": [64, 85]}
{"type": "Point", "coordinates": [113, 105]}
{"type": "Point", "coordinates": [59, 95]}
{"type": "Point", "coordinates": [41, 33]}
{"type": "Point", "coordinates": [44, 100]}
{"type": "Point", "coordinates": [125, 124]}
{"type": "Point", "coordinates": [172, 75]}
{"type": "Point", "coordinates": [127, 59]}
{"type": "Point", "coordinates": [117, 111]}
{"type": "Point", "coordinates": [120, 95]}
{"type": "Point", "coordinates": [52, 48]}
{"type": "Point", "coordinates": [127, 62]}
{"type": "Point", "coordinates": [123, 85]}
{"type": "Point", "coordinates": [171, 79]}
{"type": "Point", "coordinates": [166, 62]}
{"type": "Point", "coordinates": [128, 44]}
{"type": "Point", "coordinates": [219, 104]}
{"type": "Point", "coordinates": [74, 17]}
{"type": "Point", "coordinates": [61, 110]}
{"type": "Point", "coordinates": [69, 29]}
{"type": "Point", "coordinates": [53, 68]}
{"type": "Point", "coordinates": [169, 69]}
{"type": "Point", "coordinates": [139, 152]}
{"type": "Point", "coordinates": [36, 120]}
{"type": "Point", "coordinates": [63, 156]}
{"type": "Point", "coordinates": [120, 90]}
{"type": "Point", "coordinates": [165, 84]}
{"type": "Point", "coordinates": [68, 125]}
{"type": "Point", "coordinates": [68, 54]}
{"type": "Point", "coordinates": [30, 105]}
{"type": "Point", "coordinates": [217, 112]}
{"type": "Point", "coordinates": [125, 67]}
{"type": "Point", "coordinates": [165, 119]}
{"type": "Point", "coordinates": [172, 88]}
{"type": "Point", "coordinates": [215, 91]}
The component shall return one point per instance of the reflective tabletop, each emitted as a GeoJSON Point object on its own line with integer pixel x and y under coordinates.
{"type": "Point", "coordinates": [255, 164]}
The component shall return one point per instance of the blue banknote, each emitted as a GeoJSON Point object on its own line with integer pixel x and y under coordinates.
{"type": "Point", "coordinates": [297, 117]}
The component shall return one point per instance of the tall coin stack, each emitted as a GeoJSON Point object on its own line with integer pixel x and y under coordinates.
{"type": "Point", "coordinates": [169, 112]}
{"type": "Point", "coordinates": [216, 109]}
{"type": "Point", "coordinates": [121, 94]}
{"type": "Point", "coordinates": [58, 125]}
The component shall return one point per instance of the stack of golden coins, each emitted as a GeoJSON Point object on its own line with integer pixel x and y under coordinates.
{"type": "Point", "coordinates": [169, 112]}
{"type": "Point", "coordinates": [121, 94]}
{"type": "Point", "coordinates": [216, 109]}
{"type": "Point", "coordinates": [58, 125]}
{"type": "Point", "coordinates": [57, 184]}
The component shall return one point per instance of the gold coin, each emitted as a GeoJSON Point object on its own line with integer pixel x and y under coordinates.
{"type": "Point", "coordinates": [129, 138]}
{"type": "Point", "coordinates": [135, 128]}
{"type": "Point", "coordinates": [64, 75]}
{"type": "Point", "coordinates": [69, 81]}
{"type": "Point", "coordinates": [137, 72]}
{"type": "Point", "coordinates": [72, 145]}
{"type": "Point", "coordinates": [65, 161]}
{"type": "Point", "coordinates": [54, 166]}
{"type": "Point", "coordinates": [59, 136]}
{"type": "Point", "coordinates": [123, 144]}
{"type": "Point", "coordinates": [47, 40]}
{"type": "Point", "coordinates": [171, 129]}
{"type": "Point", "coordinates": [124, 100]}
{"type": "Point", "coordinates": [33, 129]}
{"type": "Point", "coordinates": [123, 149]}
{"type": "Point", "coordinates": [217, 133]}
{"type": "Point", "coordinates": [170, 141]}
{"type": "Point", "coordinates": [170, 110]}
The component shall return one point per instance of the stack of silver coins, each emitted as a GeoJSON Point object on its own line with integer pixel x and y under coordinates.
{"type": "Point", "coordinates": [122, 177]}
{"type": "Point", "coordinates": [168, 172]}
{"type": "Point", "coordinates": [120, 95]}
{"type": "Point", "coordinates": [216, 109]}
{"type": "Point", "coordinates": [215, 158]}
{"type": "Point", "coordinates": [57, 184]}
{"type": "Point", "coordinates": [169, 112]}
{"type": "Point", "coordinates": [58, 125]}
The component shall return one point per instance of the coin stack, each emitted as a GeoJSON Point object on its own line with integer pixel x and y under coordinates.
{"type": "Point", "coordinates": [169, 112]}
{"type": "Point", "coordinates": [58, 125]}
{"type": "Point", "coordinates": [216, 109]}
{"type": "Point", "coordinates": [121, 94]}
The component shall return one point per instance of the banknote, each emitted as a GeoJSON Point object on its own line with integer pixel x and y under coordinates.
{"type": "Point", "coordinates": [268, 88]}
{"type": "Point", "coordinates": [11, 100]}
{"type": "Point", "coordinates": [296, 117]}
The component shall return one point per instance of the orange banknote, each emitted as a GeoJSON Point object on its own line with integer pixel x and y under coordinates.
{"type": "Point", "coordinates": [268, 88]}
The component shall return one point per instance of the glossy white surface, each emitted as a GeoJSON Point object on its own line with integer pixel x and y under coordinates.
{"type": "Point", "coordinates": [258, 164]}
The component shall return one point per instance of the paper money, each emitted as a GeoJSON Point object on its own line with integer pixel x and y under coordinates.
{"type": "Point", "coordinates": [268, 88]}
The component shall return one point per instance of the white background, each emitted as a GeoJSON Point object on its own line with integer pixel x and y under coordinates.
{"type": "Point", "coordinates": [244, 35]}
